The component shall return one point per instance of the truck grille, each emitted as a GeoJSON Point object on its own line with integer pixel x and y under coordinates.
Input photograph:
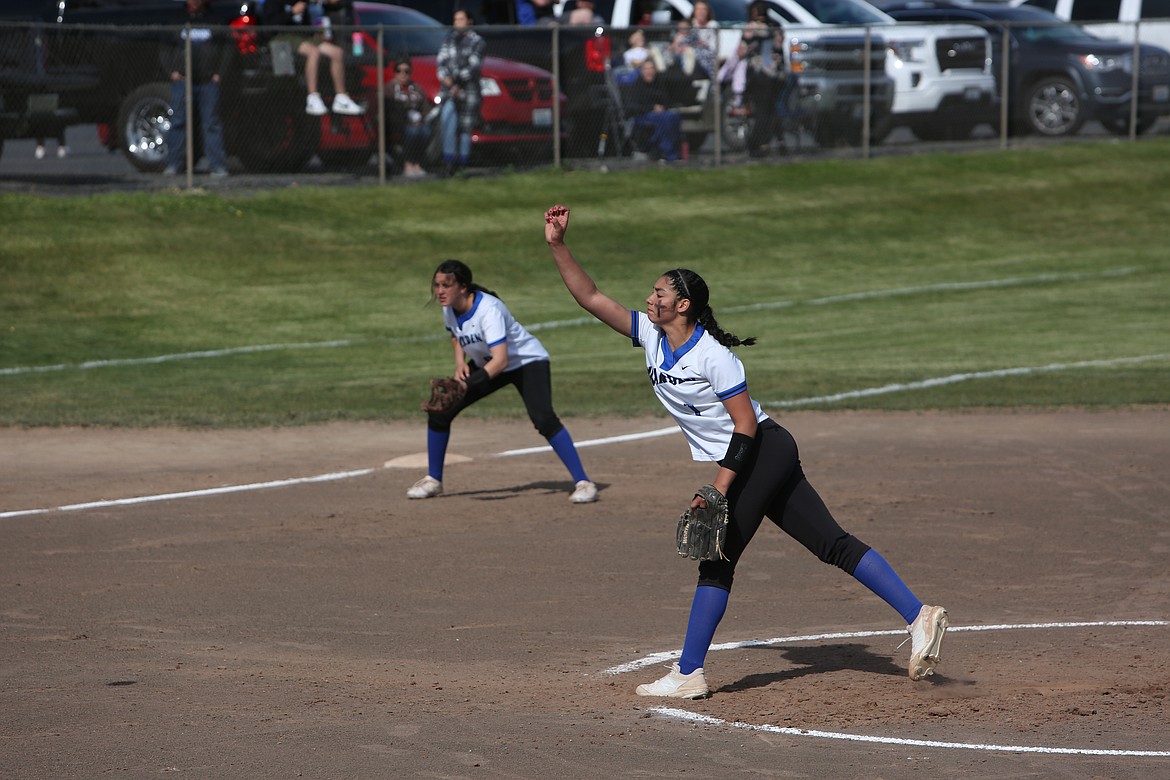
{"type": "Point", "coordinates": [1155, 64]}
{"type": "Point", "coordinates": [952, 53]}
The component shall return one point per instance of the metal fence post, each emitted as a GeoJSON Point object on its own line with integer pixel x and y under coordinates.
{"type": "Point", "coordinates": [866, 92]}
{"type": "Point", "coordinates": [1004, 92]}
{"type": "Point", "coordinates": [1137, 67]}
{"type": "Point", "coordinates": [381, 107]}
{"type": "Point", "coordinates": [718, 121]}
{"type": "Point", "coordinates": [556, 96]}
{"type": "Point", "coordinates": [189, 100]}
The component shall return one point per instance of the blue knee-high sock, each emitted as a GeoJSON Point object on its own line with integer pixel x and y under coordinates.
{"type": "Point", "coordinates": [706, 611]}
{"type": "Point", "coordinates": [563, 446]}
{"type": "Point", "coordinates": [436, 452]}
{"type": "Point", "coordinates": [874, 573]}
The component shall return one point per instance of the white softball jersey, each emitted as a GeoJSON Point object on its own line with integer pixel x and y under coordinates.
{"type": "Point", "coordinates": [488, 323]}
{"type": "Point", "coordinates": [692, 382]}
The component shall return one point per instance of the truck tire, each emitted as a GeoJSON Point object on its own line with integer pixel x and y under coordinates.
{"type": "Point", "coordinates": [141, 130]}
{"type": "Point", "coordinates": [1052, 107]}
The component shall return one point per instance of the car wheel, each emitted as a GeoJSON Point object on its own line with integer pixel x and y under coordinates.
{"type": "Point", "coordinates": [1052, 107]}
{"type": "Point", "coordinates": [737, 126]}
{"type": "Point", "coordinates": [144, 118]}
{"type": "Point", "coordinates": [1121, 126]}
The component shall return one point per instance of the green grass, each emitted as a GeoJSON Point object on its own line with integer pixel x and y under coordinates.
{"type": "Point", "coordinates": [1079, 231]}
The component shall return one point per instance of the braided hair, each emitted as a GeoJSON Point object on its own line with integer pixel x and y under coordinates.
{"type": "Point", "coordinates": [688, 284]}
{"type": "Point", "coordinates": [462, 274]}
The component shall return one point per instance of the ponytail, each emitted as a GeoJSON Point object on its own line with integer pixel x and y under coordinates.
{"type": "Point", "coordinates": [688, 284]}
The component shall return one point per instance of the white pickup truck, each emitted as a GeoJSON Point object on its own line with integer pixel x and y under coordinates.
{"type": "Point", "coordinates": [943, 84]}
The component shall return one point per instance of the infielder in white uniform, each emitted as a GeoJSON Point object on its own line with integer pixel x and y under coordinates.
{"type": "Point", "coordinates": [704, 387]}
{"type": "Point", "coordinates": [493, 350]}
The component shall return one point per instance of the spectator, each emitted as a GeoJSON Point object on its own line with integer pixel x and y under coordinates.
{"type": "Point", "coordinates": [407, 122]}
{"type": "Point", "coordinates": [704, 37]}
{"type": "Point", "coordinates": [311, 45]}
{"type": "Point", "coordinates": [584, 13]}
{"type": "Point", "coordinates": [646, 100]}
{"type": "Point", "coordinates": [757, 75]}
{"type": "Point", "coordinates": [636, 53]}
{"type": "Point", "coordinates": [458, 66]}
{"type": "Point", "coordinates": [62, 148]}
{"type": "Point", "coordinates": [209, 61]}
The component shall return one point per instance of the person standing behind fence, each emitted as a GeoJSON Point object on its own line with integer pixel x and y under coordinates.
{"type": "Point", "coordinates": [209, 62]}
{"type": "Point", "coordinates": [459, 62]}
{"type": "Point", "coordinates": [311, 47]}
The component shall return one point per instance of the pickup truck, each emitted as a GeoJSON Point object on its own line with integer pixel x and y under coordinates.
{"type": "Point", "coordinates": [68, 62]}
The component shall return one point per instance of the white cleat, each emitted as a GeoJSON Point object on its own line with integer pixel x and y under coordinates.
{"type": "Point", "coordinates": [677, 685]}
{"type": "Point", "coordinates": [926, 634]}
{"type": "Point", "coordinates": [584, 492]}
{"type": "Point", "coordinates": [427, 487]}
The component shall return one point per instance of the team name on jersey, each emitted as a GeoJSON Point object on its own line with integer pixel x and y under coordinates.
{"type": "Point", "coordinates": [661, 377]}
{"type": "Point", "coordinates": [469, 339]}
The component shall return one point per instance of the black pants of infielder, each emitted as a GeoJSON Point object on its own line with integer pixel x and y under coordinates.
{"type": "Point", "coordinates": [533, 382]}
{"type": "Point", "coordinates": [774, 486]}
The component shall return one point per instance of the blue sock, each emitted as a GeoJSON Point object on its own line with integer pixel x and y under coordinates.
{"type": "Point", "coordinates": [874, 573]}
{"type": "Point", "coordinates": [563, 446]}
{"type": "Point", "coordinates": [436, 452]}
{"type": "Point", "coordinates": [706, 611]}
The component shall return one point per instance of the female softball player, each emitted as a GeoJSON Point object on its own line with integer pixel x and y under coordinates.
{"type": "Point", "coordinates": [704, 387]}
{"type": "Point", "coordinates": [501, 352]}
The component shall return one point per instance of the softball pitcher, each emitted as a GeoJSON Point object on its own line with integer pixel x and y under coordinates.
{"type": "Point", "coordinates": [493, 350]}
{"type": "Point", "coordinates": [704, 387]}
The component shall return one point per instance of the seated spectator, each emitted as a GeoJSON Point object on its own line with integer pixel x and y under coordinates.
{"type": "Point", "coordinates": [312, 44]}
{"type": "Point", "coordinates": [704, 37]}
{"type": "Point", "coordinates": [408, 128]}
{"type": "Point", "coordinates": [636, 53]}
{"type": "Point", "coordinates": [647, 101]}
{"type": "Point", "coordinates": [583, 13]}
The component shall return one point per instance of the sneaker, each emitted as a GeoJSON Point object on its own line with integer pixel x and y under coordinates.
{"type": "Point", "coordinates": [677, 685]}
{"type": "Point", "coordinates": [427, 487]}
{"type": "Point", "coordinates": [170, 170]}
{"type": "Point", "coordinates": [315, 106]}
{"type": "Point", "coordinates": [219, 173]}
{"type": "Point", "coordinates": [342, 104]}
{"type": "Point", "coordinates": [926, 633]}
{"type": "Point", "coordinates": [39, 153]}
{"type": "Point", "coordinates": [62, 152]}
{"type": "Point", "coordinates": [584, 492]}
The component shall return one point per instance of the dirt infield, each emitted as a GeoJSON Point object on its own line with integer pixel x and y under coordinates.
{"type": "Point", "coordinates": [333, 629]}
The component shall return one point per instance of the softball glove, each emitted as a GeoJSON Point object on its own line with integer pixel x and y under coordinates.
{"type": "Point", "coordinates": [702, 532]}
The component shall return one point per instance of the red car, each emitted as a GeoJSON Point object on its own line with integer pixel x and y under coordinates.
{"type": "Point", "coordinates": [517, 108]}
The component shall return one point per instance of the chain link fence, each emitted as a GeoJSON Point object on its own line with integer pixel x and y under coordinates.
{"type": "Point", "coordinates": [560, 96]}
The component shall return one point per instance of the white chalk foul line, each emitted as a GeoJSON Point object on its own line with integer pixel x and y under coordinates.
{"type": "Point", "coordinates": [193, 493]}
{"type": "Point", "coordinates": [614, 439]}
{"type": "Point", "coordinates": [930, 743]}
{"type": "Point", "coordinates": [892, 388]}
{"type": "Point", "coordinates": [709, 720]}
{"type": "Point", "coordinates": [846, 297]}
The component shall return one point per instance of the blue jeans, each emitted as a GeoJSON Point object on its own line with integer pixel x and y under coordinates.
{"type": "Point", "coordinates": [205, 98]}
{"type": "Point", "coordinates": [665, 132]}
{"type": "Point", "coordinates": [456, 143]}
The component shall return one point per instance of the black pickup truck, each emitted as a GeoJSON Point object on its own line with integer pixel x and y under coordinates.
{"type": "Point", "coordinates": [70, 62]}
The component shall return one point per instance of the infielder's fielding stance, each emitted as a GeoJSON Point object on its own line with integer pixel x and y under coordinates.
{"type": "Point", "coordinates": [501, 353]}
{"type": "Point", "coordinates": [704, 387]}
